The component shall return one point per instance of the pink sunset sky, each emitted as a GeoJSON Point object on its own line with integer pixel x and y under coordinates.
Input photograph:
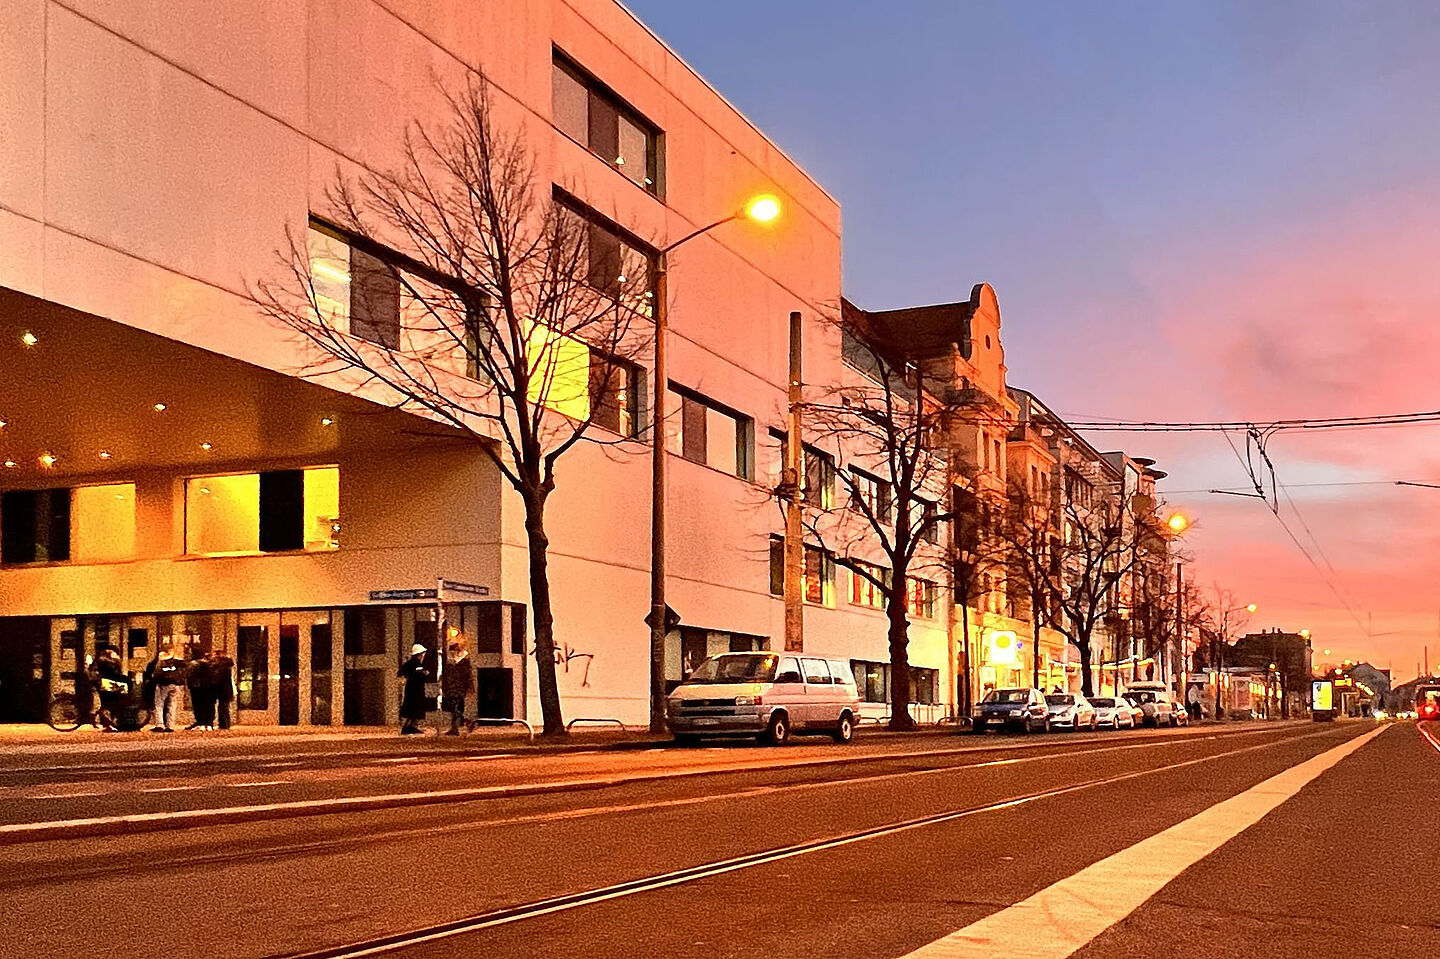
{"type": "Point", "coordinates": [1189, 210]}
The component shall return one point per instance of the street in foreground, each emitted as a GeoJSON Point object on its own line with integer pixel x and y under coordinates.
{"type": "Point", "coordinates": [1111, 845]}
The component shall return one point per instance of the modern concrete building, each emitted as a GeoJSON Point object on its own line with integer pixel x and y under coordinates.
{"type": "Point", "coordinates": [168, 477]}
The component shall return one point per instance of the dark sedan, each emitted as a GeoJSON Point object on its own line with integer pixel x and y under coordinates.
{"type": "Point", "coordinates": [1023, 709]}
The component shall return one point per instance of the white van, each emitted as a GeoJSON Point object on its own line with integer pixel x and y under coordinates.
{"type": "Point", "coordinates": [767, 695]}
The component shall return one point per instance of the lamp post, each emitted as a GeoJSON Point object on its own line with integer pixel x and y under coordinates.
{"type": "Point", "coordinates": [1220, 642]}
{"type": "Point", "coordinates": [764, 208]}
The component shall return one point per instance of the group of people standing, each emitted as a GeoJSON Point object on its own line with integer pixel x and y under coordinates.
{"type": "Point", "coordinates": [210, 677]}
{"type": "Point", "coordinates": [457, 683]}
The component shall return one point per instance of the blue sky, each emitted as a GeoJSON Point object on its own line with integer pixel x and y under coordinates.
{"type": "Point", "coordinates": [1188, 210]}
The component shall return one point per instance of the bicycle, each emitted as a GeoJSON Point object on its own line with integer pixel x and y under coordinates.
{"type": "Point", "coordinates": [66, 716]}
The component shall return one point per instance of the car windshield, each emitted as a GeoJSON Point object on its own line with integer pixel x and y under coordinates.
{"type": "Point", "coordinates": [1140, 699]}
{"type": "Point", "coordinates": [1104, 702]}
{"type": "Point", "coordinates": [1059, 700]}
{"type": "Point", "coordinates": [1008, 696]}
{"type": "Point", "coordinates": [759, 668]}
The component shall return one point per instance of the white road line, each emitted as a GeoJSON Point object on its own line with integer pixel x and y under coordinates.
{"type": "Point", "coordinates": [682, 876]}
{"type": "Point", "coordinates": [262, 782]}
{"type": "Point", "coordinates": [1059, 920]}
{"type": "Point", "coordinates": [480, 759]}
{"type": "Point", "coordinates": [1429, 738]}
{"type": "Point", "coordinates": [170, 789]}
{"type": "Point", "coordinates": [399, 759]}
{"type": "Point", "coordinates": [65, 795]}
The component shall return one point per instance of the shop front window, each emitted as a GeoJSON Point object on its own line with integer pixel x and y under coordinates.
{"type": "Point", "coordinates": [275, 511]}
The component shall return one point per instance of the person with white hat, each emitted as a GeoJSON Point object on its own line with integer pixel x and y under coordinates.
{"type": "Point", "coordinates": [412, 702]}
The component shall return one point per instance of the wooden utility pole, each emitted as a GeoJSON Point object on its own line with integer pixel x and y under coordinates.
{"type": "Point", "coordinates": [795, 484]}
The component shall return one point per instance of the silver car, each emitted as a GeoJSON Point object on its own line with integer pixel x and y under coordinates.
{"type": "Point", "coordinates": [1112, 713]}
{"type": "Point", "coordinates": [1154, 704]}
{"type": "Point", "coordinates": [1070, 711]}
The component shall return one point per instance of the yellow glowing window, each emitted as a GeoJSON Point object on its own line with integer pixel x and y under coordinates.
{"type": "Point", "coordinates": [559, 372]}
{"type": "Point", "coordinates": [276, 511]}
{"type": "Point", "coordinates": [102, 523]}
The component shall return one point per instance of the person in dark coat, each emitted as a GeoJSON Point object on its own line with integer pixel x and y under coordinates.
{"type": "Point", "coordinates": [114, 688]}
{"type": "Point", "coordinates": [202, 692]}
{"type": "Point", "coordinates": [222, 685]}
{"type": "Point", "coordinates": [412, 703]}
{"type": "Point", "coordinates": [456, 683]}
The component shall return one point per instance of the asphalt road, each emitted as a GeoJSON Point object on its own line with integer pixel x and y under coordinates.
{"type": "Point", "coordinates": [882, 849]}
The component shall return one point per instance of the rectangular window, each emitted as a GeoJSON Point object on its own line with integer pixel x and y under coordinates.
{"type": "Point", "coordinates": [777, 565]}
{"type": "Point", "coordinates": [819, 580]}
{"type": "Point", "coordinates": [817, 672]}
{"type": "Point", "coordinates": [612, 261]}
{"type": "Point", "coordinates": [703, 431]}
{"type": "Point", "coordinates": [276, 511]}
{"type": "Point", "coordinates": [929, 530]}
{"type": "Point", "coordinates": [615, 390]}
{"type": "Point", "coordinates": [252, 667]}
{"type": "Point", "coordinates": [920, 599]}
{"type": "Point", "coordinates": [875, 494]}
{"type": "Point", "coordinates": [864, 592]}
{"type": "Point", "coordinates": [591, 114]}
{"type": "Point", "coordinates": [819, 478]}
{"type": "Point", "coordinates": [872, 680]}
{"type": "Point", "coordinates": [102, 523]}
{"type": "Point", "coordinates": [354, 290]}
{"type": "Point", "coordinates": [35, 526]}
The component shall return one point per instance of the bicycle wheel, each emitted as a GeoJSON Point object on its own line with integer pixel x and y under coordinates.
{"type": "Point", "coordinates": [64, 714]}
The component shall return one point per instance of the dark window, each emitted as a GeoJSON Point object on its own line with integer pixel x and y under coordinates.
{"type": "Point", "coordinates": [929, 524]}
{"type": "Point", "coordinates": [819, 577]}
{"type": "Point", "coordinates": [517, 629]}
{"type": "Point", "coordinates": [693, 646]}
{"type": "Point", "coordinates": [874, 493]}
{"type": "Point", "coordinates": [282, 510]}
{"type": "Point", "coordinates": [374, 300]}
{"type": "Point", "coordinates": [35, 526]}
{"type": "Point", "coordinates": [615, 390]}
{"type": "Point", "coordinates": [819, 478]}
{"type": "Point", "coordinates": [777, 565]}
{"type": "Point", "coordinates": [487, 637]}
{"type": "Point", "coordinates": [590, 113]}
{"type": "Point", "coordinates": [364, 631]}
{"type": "Point", "coordinates": [252, 667]}
{"type": "Point", "coordinates": [708, 433]}
{"type": "Point", "coordinates": [613, 261]}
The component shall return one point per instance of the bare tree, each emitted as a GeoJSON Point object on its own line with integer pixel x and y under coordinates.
{"type": "Point", "coordinates": [473, 292]}
{"type": "Point", "coordinates": [893, 473]}
{"type": "Point", "coordinates": [1073, 559]}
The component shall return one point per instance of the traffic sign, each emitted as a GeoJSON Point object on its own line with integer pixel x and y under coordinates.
{"type": "Point", "coordinates": [385, 595]}
{"type": "Point", "coordinates": [451, 586]}
{"type": "Point", "coordinates": [672, 618]}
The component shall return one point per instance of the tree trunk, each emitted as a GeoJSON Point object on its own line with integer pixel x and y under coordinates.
{"type": "Point", "coordinates": [899, 632]}
{"type": "Point", "coordinates": [1087, 683]}
{"type": "Point", "coordinates": [539, 545]}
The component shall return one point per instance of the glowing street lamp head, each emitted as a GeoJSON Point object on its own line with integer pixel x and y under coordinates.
{"type": "Point", "coordinates": [1251, 607]}
{"type": "Point", "coordinates": [1304, 634]}
{"type": "Point", "coordinates": [1178, 522]}
{"type": "Point", "coordinates": [764, 208]}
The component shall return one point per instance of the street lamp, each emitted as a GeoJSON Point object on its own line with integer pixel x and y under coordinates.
{"type": "Point", "coordinates": [1178, 522]}
{"type": "Point", "coordinates": [764, 208]}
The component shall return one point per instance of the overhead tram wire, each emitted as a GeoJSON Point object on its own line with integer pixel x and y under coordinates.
{"type": "Point", "coordinates": [1116, 424]}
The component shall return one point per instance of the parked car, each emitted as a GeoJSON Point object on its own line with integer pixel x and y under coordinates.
{"type": "Point", "coordinates": [1155, 706]}
{"type": "Point", "coordinates": [1070, 711]}
{"type": "Point", "coordinates": [1022, 708]}
{"type": "Point", "coordinates": [771, 696]}
{"type": "Point", "coordinates": [1112, 713]}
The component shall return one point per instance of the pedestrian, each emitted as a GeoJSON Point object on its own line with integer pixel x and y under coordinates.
{"type": "Point", "coordinates": [202, 691]}
{"type": "Point", "coordinates": [85, 678]}
{"type": "Point", "coordinates": [167, 673]}
{"type": "Point", "coordinates": [222, 685]}
{"type": "Point", "coordinates": [456, 684]}
{"type": "Point", "coordinates": [1192, 701]}
{"type": "Point", "coordinates": [412, 702]}
{"type": "Point", "coordinates": [113, 687]}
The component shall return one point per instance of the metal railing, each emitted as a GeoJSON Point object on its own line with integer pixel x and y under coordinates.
{"type": "Point", "coordinates": [591, 721]}
{"type": "Point", "coordinates": [505, 722]}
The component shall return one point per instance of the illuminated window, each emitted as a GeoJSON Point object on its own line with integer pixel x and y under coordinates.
{"type": "Point", "coordinates": [591, 114]}
{"type": "Point", "coordinates": [819, 582]}
{"type": "Point", "coordinates": [864, 592]}
{"type": "Point", "coordinates": [102, 523]}
{"type": "Point", "coordinates": [87, 524]}
{"type": "Point", "coordinates": [920, 598]}
{"type": "Point", "coordinates": [569, 378]}
{"type": "Point", "coordinates": [819, 478]}
{"type": "Point", "coordinates": [705, 432]}
{"type": "Point", "coordinates": [354, 290]}
{"type": "Point", "coordinates": [276, 511]}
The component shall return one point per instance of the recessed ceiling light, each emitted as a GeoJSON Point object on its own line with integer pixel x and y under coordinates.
{"type": "Point", "coordinates": [48, 459]}
{"type": "Point", "coordinates": [159, 407]}
{"type": "Point", "coordinates": [11, 464]}
{"type": "Point", "coordinates": [206, 446]}
{"type": "Point", "coordinates": [28, 338]}
{"type": "Point", "coordinates": [3, 424]}
{"type": "Point", "coordinates": [205, 490]}
{"type": "Point", "coordinates": [326, 421]}
{"type": "Point", "coordinates": [104, 454]}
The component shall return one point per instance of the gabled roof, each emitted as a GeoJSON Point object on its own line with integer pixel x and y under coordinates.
{"type": "Point", "coordinates": [917, 332]}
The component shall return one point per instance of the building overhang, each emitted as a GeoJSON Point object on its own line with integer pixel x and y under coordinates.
{"type": "Point", "coordinates": [85, 397]}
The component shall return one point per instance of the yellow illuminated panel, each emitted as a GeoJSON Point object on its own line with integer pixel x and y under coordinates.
{"type": "Point", "coordinates": [559, 372]}
{"type": "Point", "coordinates": [222, 514]}
{"type": "Point", "coordinates": [322, 508]}
{"type": "Point", "coordinates": [102, 523]}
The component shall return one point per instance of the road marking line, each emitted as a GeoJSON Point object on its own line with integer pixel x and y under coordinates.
{"type": "Point", "coordinates": [1429, 738]}
{"type": "Point", "coordinates": [65, 795]}
{"type": "Point", "coordinates": [170, 789]}
{"type": "Point", "coordinates": [478, 759]}
{"type": "Point", "coordinates": [186, 818]}
{"type": "Point", "coordinates": [1062, 918]}
{"type": "Point", "coordinates": [620, 890]}
{"type": "Point", "coordinates": [262, 782]}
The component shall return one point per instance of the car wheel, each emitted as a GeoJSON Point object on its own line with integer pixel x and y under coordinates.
{"type": "Point", "coordinates": [978, 727]}
{"type": "Point", "coordinates": [778, 732]}
{"type": "Point", "coordinates": [845, 730]}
